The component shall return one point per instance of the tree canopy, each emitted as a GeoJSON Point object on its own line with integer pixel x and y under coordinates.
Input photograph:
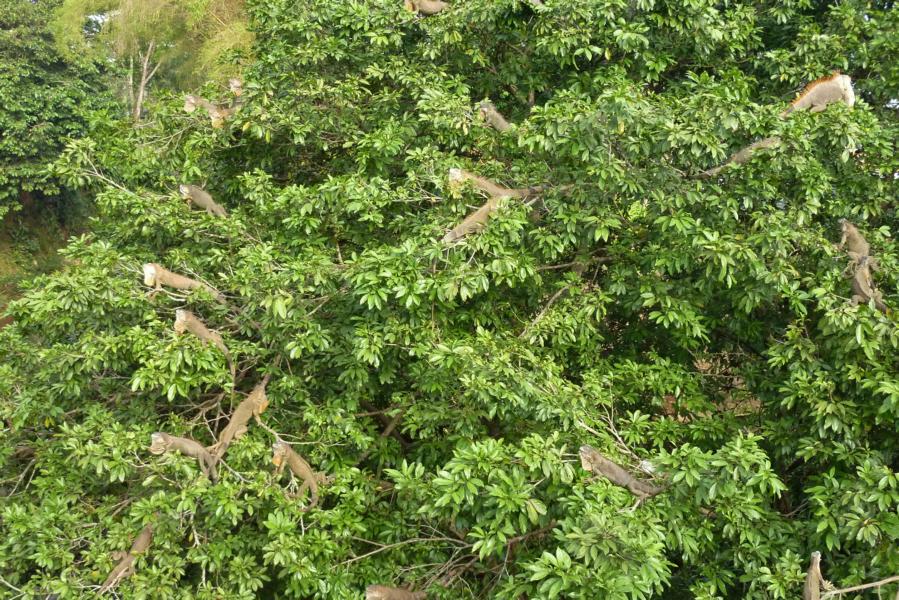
{"type": "Point", "coordinates": [699, 332]}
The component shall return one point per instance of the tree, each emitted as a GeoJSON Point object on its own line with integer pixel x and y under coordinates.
{"type": "Point", "coordinates": [45, 99]}
{"type": "Point", "coordinates": [188, 39]}
{"type": "Point", "coordinates": [698, 329]}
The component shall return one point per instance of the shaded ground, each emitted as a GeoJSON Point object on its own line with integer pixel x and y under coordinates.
{"type": "Point", "coordinates": [29, 242]}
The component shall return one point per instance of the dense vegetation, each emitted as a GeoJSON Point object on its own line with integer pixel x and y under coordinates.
{"type": "Point", "coordinates": [46, 99]}
{"type": "Point", "coordinates": [700, 328]}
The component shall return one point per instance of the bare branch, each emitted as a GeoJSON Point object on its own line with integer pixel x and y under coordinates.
{"type": "Point", "coordinates": [597, 259]}
{"type": "Point", "coordinates": [382, 548]}
{"type": "Point", "coordinates": [540, 315]}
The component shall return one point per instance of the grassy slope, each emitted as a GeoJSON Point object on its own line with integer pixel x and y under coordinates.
{"type": "Point", "coordinates": [29, 240]}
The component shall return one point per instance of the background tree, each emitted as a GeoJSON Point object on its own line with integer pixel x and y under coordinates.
{"type": "Point", "coordinates": [46, 100]}
{"type": "Point", "coordinates": [698, 329]}
{"type": "Point", "coordinates": [186, 38]}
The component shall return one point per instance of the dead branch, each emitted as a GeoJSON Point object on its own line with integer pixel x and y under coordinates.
{"type": "Point", "coordinates": [535, 533]}
{"type": "Point", "coordinates": [857, 588]}
{"type": "Point", "coordinates": [595, 259]}
{"type": "Point", "coordinates": [145, 76]}
{"type": "Point", "coordinates": [382, 547]}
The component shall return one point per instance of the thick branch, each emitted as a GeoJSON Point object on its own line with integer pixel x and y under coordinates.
{"type": "Point", "coordinates": [389, 430]}
{"type": "Point", "coordinates": [131, 81]}
{"type": "Point", "coordinates": [379, 415]}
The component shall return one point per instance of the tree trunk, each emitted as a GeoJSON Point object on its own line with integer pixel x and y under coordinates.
{"type": "Point", "coordinates": [145, 76]}
{"type": "Point", "coordinates": [131, 82]}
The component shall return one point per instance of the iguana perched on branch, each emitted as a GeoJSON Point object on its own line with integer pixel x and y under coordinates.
{"type": "Point", "coordinates": [493, 117]}
{"type": "Point", "coordinates": [814, 580]}
{"type": "Point", "coordinates": [863, 290]}
{"type": "Point", "coordinates": [197, 195]}
{"type": "Point", "coordinates": [156, 276]}
{"type": "Point", "coordinates": [160, 443]}
{"type": "Point", "coordinates": [744, 155]}
{"type": "Point", "coordinates": [217, 114]}
{"type": "Point", "coordinates": [821, 92]}
{"type": "Point", "coordinates": [425, 7]}
{"type": "Point", "coordinates": [283, 455]}
{"type": "Point", "coordinates": [592, 460]}
{"type": "Point", "coordinates": [478, 219]}
{"type": "Point", "coordinates": [857, 247]}
{"type": "Point", "coordinates": [186, 321]}
{"type": "Point", "coordinates": [251, 408]}
{"type": "Point", "coordinates": [125, 567]}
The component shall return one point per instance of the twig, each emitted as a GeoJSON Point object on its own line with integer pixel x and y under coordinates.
{"type": "Point", "coordinates": [624, 446]}
{"type": "Point", "coordinates": [520, 538]}
{"type": "Point", "coordinates": [221, 461]}
{"type": "Point", "coordinates": [383, 419]}
{"type": "Point", "coordinates": [11, 586]}
{"type": "Point", "coordinates": [96, 173]}
{"type": "Point", "coordinates": [451, 570]}
{"type": "Point", "coordinates": [372, 413]}
{"type": "Point", "coordinates": [120, 507]}
{"type": "Point", "coordinates": [320, 304]}
{"type": "Point", "coordinates": [553, 267]}
{"type": "Point", "coordinates": [268, 429]}
{"type": "Point", "coordinates": [589, 429]}
{"type": "Point", "coordinates": [596, 259]}
{"type": "Point", "coordinates": [31, 463]}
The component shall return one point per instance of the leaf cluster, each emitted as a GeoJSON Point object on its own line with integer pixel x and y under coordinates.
{"type": "Point", "coordinates": [696, 331]}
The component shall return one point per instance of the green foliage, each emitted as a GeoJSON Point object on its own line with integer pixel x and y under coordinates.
{"type": "Point", "coordinates": [701, 325]}
{"type": "Point", "coordinates": [45, 98]}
